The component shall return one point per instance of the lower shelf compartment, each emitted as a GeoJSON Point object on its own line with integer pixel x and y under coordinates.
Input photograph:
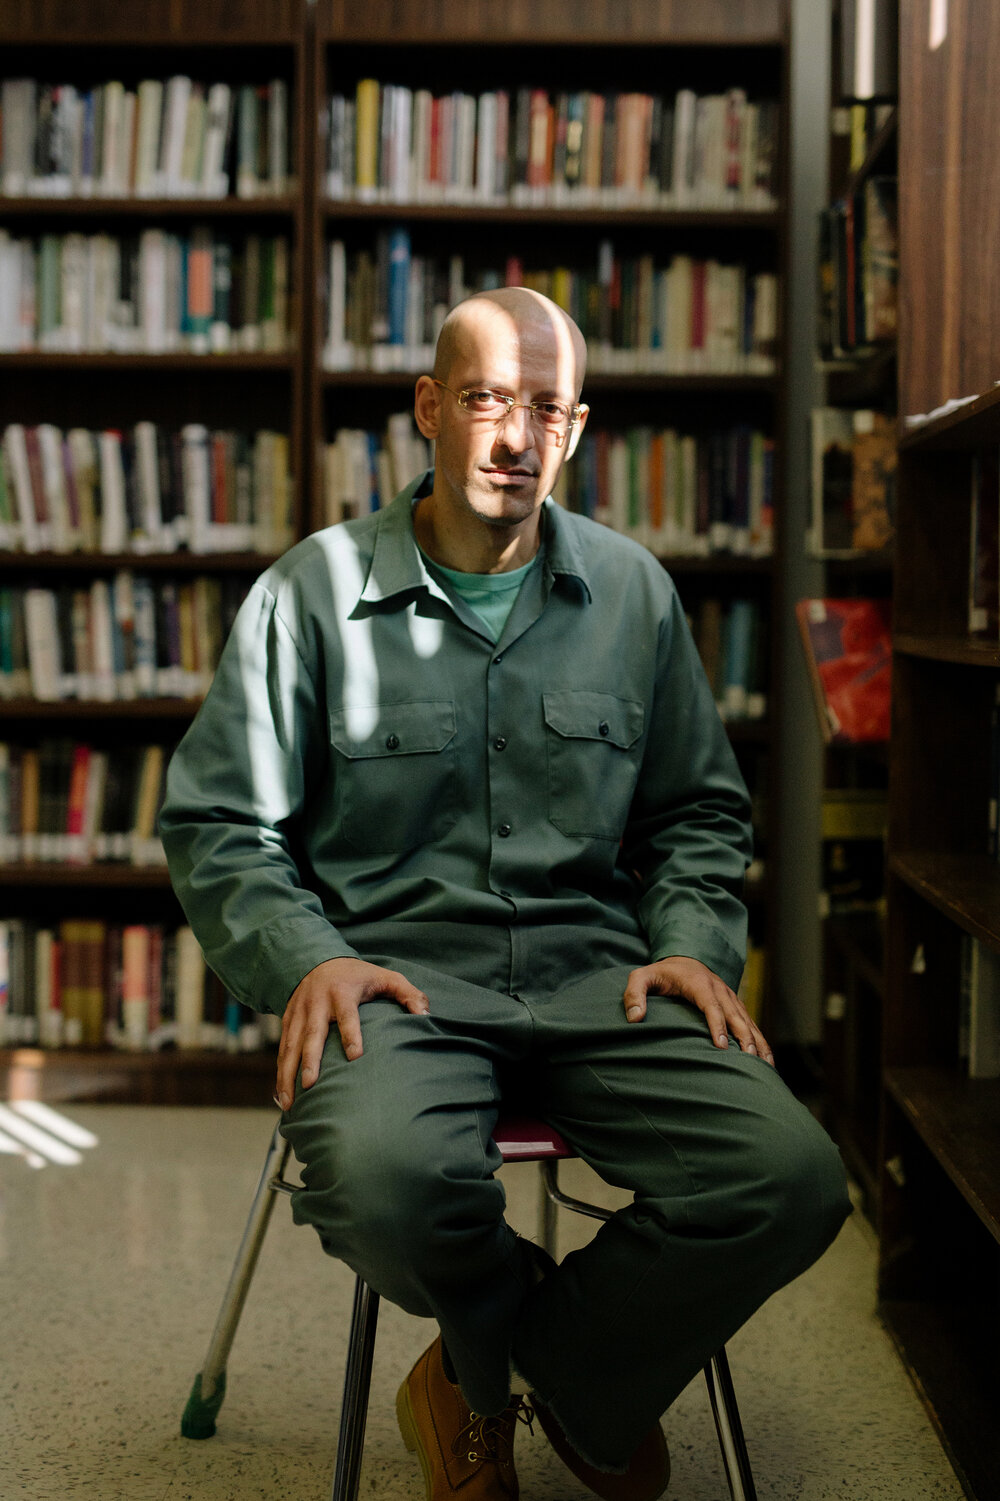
{"type": "Point", "coordinates": [950, 1352]}
{"type": "Point", "coordinates": [958, 1119]}
{"type": "Point", "coordinates": [167, 1078]}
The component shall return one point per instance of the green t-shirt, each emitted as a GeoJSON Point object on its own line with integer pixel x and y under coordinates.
{"type": "Point", "coordinates": [491, 595]}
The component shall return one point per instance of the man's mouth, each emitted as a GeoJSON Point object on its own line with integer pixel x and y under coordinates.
{"type": "Point", "coordinates": [512, 475]}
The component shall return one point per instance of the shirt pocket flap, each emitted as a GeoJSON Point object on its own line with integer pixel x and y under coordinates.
{"type": "Point", "coordinates": [579, 715]}
{"type": "Point", "coordinates": [367, 730]}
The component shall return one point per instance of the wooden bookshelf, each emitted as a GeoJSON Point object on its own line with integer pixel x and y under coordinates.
{"type": "Point", "coordinates": [89, 43]}
{"type": "Point", "coordinates": [613, 44]}
{"type": "Point", "coordinates": [940, 1144]}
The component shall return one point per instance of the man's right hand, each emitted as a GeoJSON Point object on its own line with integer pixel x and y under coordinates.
{"type": "Point", "coordinates": [333, 992]}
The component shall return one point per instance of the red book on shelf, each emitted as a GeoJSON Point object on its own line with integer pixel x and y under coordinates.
{"type": "Point", "coordinates": [76, 849]}
{"type": "Point", "coordinates": [848, 652]}
{"type": "Point", "coordinates": [541, 140]}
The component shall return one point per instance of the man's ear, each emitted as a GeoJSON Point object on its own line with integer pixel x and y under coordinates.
{"type": "Point", "coordinates": [577, 432]}
{"type": "Point", "coordinates": [427, 407]}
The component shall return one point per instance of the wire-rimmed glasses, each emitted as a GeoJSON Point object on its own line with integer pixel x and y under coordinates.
{"type": "Point", "coordinates": [553, 417]}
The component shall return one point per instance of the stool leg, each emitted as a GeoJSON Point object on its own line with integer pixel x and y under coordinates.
{"type": "Point", "coordinates": [209, 1387]}
{"type": "Point", "coordinates": [729, 1428]}
{"type": "Point", "coordinates": [357, 1382]}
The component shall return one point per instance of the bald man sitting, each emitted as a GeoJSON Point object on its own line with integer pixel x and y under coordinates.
{"type": "Point", "coordinates": [459, 806]}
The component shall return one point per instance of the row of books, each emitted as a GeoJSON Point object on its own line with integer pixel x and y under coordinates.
{"type": "Point", "coordinates": [68, 802]}
{"type": "Point", "coordinates": [364, 469]}
{"type": "Point", "coordinates": [732, 641]}
{"type": "Point", "coordinates": [138, 986]}
{"type": "Point", "coordinates": [853, 487]}
{"type": "Point", "coordinates": [164, 138]}
{"type": "Point", "coordinates": [531, 147]}
{"type": "Point", "coordinates": [689, 316]}
{"type": "Point", "coordinates": [128, 637]}
{"type": "Point", "coordinates": [680, 494]}
{"type": "Point", "coordinates": [155, 292]}
{"type": "Point", "coordinates": [859, 271]}
{"type": "Point", "coordinates": [145, 489]}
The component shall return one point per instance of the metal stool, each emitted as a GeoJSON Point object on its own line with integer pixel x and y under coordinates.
{"type": "Point", "coordinates": [520, 1139]}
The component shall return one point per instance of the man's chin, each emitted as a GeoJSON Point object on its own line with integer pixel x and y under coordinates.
{"type": "Point", "coordinates": [504, 508]}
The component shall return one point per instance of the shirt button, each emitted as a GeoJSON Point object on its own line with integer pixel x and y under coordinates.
{"type": "Point", "coordinates": [392, 742]}
{"type": "Point", "coordinates": [498, 659]}
{"type": "Point", "coordinates": [500, 743]}
{"type": "Point", "coordinates": [604, 727]}
{"type": "Point", "coordinates": [504, 830]}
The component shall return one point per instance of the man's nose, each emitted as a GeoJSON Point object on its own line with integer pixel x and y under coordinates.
{"type": "Point", "coordinates": [517, 429]}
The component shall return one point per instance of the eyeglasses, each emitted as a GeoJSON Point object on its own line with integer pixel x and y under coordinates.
{"type": "Point", "coordinates": [479, 401]}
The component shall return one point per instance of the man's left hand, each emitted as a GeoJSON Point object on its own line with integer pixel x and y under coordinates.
{"type": "Point", "coordinates": [695, 982]}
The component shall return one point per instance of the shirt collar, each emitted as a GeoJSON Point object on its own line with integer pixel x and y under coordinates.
{"type": "Point", "coordinates": [397, 566]}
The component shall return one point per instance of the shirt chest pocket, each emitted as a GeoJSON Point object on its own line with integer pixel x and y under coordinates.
{"type": "Point", "coordinates": [394, 774]}
{"type": "Point", "coordinates": [593, 749]}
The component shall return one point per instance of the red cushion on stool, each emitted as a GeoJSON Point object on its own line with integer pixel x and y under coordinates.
{"type": "Point", "coordinates": [521, 1138]}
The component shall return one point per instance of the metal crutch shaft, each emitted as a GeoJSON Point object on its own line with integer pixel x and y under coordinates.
{"type": "Point", "coordinates": [209, 1387]}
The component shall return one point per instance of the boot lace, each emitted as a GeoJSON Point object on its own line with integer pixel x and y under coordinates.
{"type": "Point", "coordinates": [491, 1438]}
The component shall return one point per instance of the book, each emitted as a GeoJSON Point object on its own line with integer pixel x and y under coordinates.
{"type": "Point", "coordinates": [869, 49]}
{"type": "Point", "coordinates": [979, 1009]}
{"type": "Point", "coordinates": [873, 493]}
{"type": "Point", "coordinates": [848, 653]}
{"type": "Point", "coordinates": [853, 485]}
{"type": "Point", "coordinates": [879, 261]}
{"type": "Point", "coordinates": [984, 546]}
{"type": "Point", "coordinates": [993, 797]}
{"type": "Point", "coordinates": [853, 830]}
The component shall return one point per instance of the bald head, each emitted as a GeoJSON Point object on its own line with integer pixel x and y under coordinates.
{"type": "Point", "coordinates": [507, 312]}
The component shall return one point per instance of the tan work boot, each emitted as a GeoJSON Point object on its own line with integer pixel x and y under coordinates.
{"type": "Point", "coordinates": [459, 1450]}
{"type": "Point", "coordinates": [647, 1474]}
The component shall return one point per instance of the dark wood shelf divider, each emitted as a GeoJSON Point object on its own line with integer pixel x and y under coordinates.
{"type": "Point", "coordinates": [966, 888]}
{"type": "Point", "coordinates": [112, 875]}
{"type": "Point", "coordinates": [70, 709]}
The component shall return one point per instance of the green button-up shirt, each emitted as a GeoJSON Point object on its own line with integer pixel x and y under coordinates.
{"type": "Point", "coordinates": [371, 774]}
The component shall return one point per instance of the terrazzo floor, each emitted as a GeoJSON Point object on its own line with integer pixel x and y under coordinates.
{"type": "Point", "coordinates": [110, 1275]}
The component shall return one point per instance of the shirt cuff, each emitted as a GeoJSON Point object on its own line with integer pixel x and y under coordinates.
{"type": "Point", "coordinates": [289, 948]}
{"type": "Point", "coordinates": [708, 946]}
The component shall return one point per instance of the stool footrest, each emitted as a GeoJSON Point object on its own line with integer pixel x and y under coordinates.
{"type": "Point", "coordinates": [201, 1412]}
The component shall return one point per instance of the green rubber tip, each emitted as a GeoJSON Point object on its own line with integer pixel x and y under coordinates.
{"type": "Point", "coordinates": [201, 1412]}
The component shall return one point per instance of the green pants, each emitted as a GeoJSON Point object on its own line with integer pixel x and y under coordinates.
{"type": "Point", "coordinates": [736, 1189]}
